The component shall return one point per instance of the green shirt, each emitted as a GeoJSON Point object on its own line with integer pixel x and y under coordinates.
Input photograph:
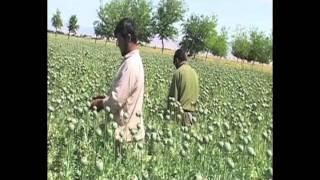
{"type": "Point", "coordinates": [185, 87]}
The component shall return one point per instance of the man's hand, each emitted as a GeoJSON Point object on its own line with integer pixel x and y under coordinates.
{"type": "Point", "coordinates": [97, 102]}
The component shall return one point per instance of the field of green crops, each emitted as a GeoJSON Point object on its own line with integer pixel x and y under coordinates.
{"type": "Point", "coordinates": [231, 138]}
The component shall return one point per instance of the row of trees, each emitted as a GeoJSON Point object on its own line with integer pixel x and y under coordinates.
{"type": "Point", "coordinates": [200, 32]}
{"type": "Point", "coordinates": [160, 22]}
{"type": "Point", "coordinates": [252, 45]}
{"type": "Point", "coordinates": [58, 23]}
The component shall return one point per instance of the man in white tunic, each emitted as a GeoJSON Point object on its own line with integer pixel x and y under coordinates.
{"type": "Point", "coordinates": [126, 96]}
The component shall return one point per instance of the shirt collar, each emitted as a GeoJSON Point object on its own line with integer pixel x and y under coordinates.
{"type": "Point", "coordinates": [183, 63]}
{"type": "Point", "coordinates": [131, 53]}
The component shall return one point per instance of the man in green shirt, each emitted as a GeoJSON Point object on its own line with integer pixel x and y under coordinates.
{"type": "Point", "coordinates": [184, 87]}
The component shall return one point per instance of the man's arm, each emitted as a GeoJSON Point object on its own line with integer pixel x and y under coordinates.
{"type": "Point", "coordinates": [173, 90]}
{"type": "Point", "coordinates": [121, 90]}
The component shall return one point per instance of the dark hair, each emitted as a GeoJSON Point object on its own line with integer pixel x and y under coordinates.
{"type": "Point", "coordinates": [180, 54]}
{"type": "Point", "coordinates": [126, 26]}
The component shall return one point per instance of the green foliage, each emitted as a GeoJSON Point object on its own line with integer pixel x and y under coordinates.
{"type": "Point", "coordinates": [252, 46]}
{"type": "Point", "coordinates": [167, 14]}
{"type": "Point", "coordinates": [56, 20]}
{"type": "Point", "coordinates": [218, 44]}
{"type": "Point", "coordinates": [73, 25]}
{"type": "Point", "coordinates": [199, 34]}
{"type": "Point", "coordinates": [113, 11]}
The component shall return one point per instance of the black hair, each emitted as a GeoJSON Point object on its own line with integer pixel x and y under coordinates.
{"type": "Point", "coordinates": [180, 54]}
{"type": "Point", "coordinates": [125, 27]}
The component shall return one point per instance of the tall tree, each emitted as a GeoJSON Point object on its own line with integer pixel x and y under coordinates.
{"type": "Point", "coordinates": [217, 44]}
{"type": "Point", "coordinates": [98, 29]}
{"type": "Point", "coordinates": [198, 32]}
{"type": "Point", "coordinates": [73, 25]}
{"type": "Point", "coordinates": [240, 44]}
{"type": "Point", "coordinates": [168, 13]}
{"type": "Point", "coordinates": [260, 48]}
{"type": "Point", "coordinates": [139, 10]}
{"type": "Point", "coordinates": [57, 21]}
{"type": "Point", "coordinates": [141, 13]}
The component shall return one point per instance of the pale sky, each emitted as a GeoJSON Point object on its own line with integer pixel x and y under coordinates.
{"type": "Point", "coordinates": [230, 13]}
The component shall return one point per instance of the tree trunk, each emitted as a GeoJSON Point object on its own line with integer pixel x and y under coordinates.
{"type": "Point", "coordinates": [194, 55]}
{"type": "Point", "coordinates": [242, 61]}
{"type": "Point", "coordinates": [162, 45]}
{"type": "Point", "coordinates": [56, 32]}
{"type": "Point", "coordinates": [106, 41]}
{"type": "Point", "coordinates": [69, 35]}
{"type": "Point", "coordinates": [95, 40]}
{"type": "Point", "coordinates": [206, 55]}
{"type": "Point", "coordinates": [252, 65]}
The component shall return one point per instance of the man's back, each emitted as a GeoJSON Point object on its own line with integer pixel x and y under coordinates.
{"type": "Point", "coordinates": [185, 87]}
